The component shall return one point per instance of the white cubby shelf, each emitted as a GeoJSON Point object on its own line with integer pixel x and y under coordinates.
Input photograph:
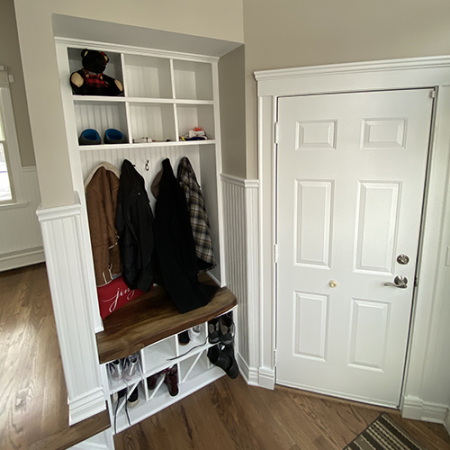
{"type": "Point", "coordinates": [166, 94]}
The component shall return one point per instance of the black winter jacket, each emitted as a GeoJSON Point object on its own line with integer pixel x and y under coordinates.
{"type": "Point", "coordinates": [134, 223]}
{"type": "Point", "coordinates": [176, 247]}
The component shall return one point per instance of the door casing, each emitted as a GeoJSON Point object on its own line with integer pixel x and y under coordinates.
{"type": "Point", "coordinates": [411, 73]}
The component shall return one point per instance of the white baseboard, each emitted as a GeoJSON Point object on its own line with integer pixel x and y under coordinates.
{"type": "Point", "coordinates": [416, 409]}
{"type": "Point", "coordinates": [85, 406]}
{"type": "Point", "coordinates": [23, 258]}
{"type": "Point", "coordinates": [447, 421]}
{"type": "Point", "coordinates": [266, 378]}
{"type": "Point", "coordinates": [250, 374]}
{"type": "Point", "coordinates": [89, 446]}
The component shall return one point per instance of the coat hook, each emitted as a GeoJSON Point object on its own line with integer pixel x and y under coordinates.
{"type": "Point", "coordinates": [147, 168]}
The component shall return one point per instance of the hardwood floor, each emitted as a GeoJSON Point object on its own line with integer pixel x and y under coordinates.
{"type": "Point", "coordinates": [230, 415]}
{"type": "Point", "coordinates": [33, 407]}
{"type": "Point", "coordinates": [227, 414]}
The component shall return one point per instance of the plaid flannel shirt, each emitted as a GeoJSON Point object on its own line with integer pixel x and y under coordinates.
{"type": "Point", "coordinates": [197, 211]}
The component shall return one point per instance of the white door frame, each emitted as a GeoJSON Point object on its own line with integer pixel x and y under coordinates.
{"type": "Point", "coordinates": [426, 394]}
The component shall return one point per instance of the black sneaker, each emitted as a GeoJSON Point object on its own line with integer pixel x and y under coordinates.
{"type": "Point", "coordinates": [133, 398]}
{"type": "Point", "coordinates": [213, 331]}
{"type": "Point", "coordinates": [226, 326]}
{"type": "Point", "coordinates": [183, 338]}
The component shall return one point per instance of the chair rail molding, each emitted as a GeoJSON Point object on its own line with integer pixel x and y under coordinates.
{"type": "Point", "coordinates": [241, 237]}
{"type": "Point", "coordinates": [63, 244]}
{"type": "Point", "coordinates": [426, 391]}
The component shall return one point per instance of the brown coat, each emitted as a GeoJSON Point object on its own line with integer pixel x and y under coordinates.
{"type": "Point", "coordinates": [101, 188]}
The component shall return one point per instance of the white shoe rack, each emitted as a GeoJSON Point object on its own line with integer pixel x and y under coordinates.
{"type": "Point", "coordinates": [194, 372]}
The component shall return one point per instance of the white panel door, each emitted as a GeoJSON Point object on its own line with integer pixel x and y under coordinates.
{"type": "Point", "coordinates": [350, 182]}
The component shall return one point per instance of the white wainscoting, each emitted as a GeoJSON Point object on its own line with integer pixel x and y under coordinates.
{"type": "Point", "coordinates": [20, 237]}
{"type": "Point", "coordinates": [241, 236]}
{"type": "Point", "coordinates": [67, 275]}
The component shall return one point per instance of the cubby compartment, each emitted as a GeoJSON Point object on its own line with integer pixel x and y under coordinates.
{"type": "Point", "coordinates": [197, 339]}
{"type": "Point", "coordinates": [113, 68]}
{"type": "Point", "coordinates": [157, 357]}
{"type": "Point", "coordinates": [193, 80]}
{"type": "Point", "coordinates": [148, 77]}
{"type": "Point", "coordinates": [100, 116]}
{"type": "Point", "coordinates": [191, 116]}
{"type": "Point", "coordinates": [194, 366]}
{"type": "Point", "coordinates": [159, 389]}
{"type": "Point", "coordinates": [118, 385]}
{"type": "Point", "coordinates": [154, 121]}
{"type": "Point", "coordinates": [124, 415]}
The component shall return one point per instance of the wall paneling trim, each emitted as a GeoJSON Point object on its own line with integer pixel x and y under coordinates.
{"type": "Point", "coordinates": [241, 236]}
{"type": "Point", "coordinates": [62, 235]}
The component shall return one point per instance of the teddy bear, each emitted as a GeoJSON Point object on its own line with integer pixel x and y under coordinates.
{"type": "Point", "coordinates": [90, 80]}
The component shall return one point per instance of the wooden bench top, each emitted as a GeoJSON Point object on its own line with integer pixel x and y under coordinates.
{"type": "Point", "coordinates": [152, 317]}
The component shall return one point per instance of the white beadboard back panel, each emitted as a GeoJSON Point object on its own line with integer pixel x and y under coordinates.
{"type": "Point", "coordinates": [139, 157]}
{"type": "Point", "coordinates": [236, 258]}
{"type": "Point", "coordinates": [100, 117]}
{"type": "Point", "coordinates": [146, 76]}
{"type": "Point", "coordinates": [20, 226]}
{"type": "Point", "coordinates": [199, 156]}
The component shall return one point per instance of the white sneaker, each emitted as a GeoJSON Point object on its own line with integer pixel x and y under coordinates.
{"type": "Point", "coordinates": [115, 370]}
{"type": "Point", "coordinates": [130, 367]}
{"type": "Point", "coordinates": [194, 332]}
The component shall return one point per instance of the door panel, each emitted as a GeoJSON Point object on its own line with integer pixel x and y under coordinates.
{"type": "Point", "coordinates": [350, 181]}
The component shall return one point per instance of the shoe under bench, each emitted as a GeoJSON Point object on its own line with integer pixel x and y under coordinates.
{"type": "Point", "coordinates": [149, 326]}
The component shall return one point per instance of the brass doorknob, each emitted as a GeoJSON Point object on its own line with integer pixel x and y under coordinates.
{"type": "Point", "coordinates": [333, 283]}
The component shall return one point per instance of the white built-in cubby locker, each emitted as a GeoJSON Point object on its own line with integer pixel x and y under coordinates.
{"type": "Point", "coordinates": [194, 372]}
{"type": "Point", "coordinates": [165, 95]}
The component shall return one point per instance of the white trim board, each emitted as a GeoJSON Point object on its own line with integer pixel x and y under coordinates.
{"type": "Point", "coordinates": [241, 236]}
{"type": "Point", "coordinates": [416, 409]}
{"type": "Point", "coordinates": [21, 259]}
{"type": "Point", "coordinates": [447, 420]}
{"type": "Point", "coordinates": [428, 372]}
{"type": "Point", "coordinates": [130, 50]}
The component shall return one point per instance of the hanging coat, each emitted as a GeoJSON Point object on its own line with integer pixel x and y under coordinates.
{"type": "Point", "coordinates": [101, 187]}
{"type": "Point", "coordinates": [176, 247]}
{"type": "Point", "coordinates": [134, 222]}
{"type": "Point", "coordinates": [198, 216]}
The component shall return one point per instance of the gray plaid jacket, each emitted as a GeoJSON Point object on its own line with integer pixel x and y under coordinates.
{"type": "Point", "coordinates": [197, 211]}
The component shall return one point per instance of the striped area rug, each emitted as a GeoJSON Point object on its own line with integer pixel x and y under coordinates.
{"type": "Point", "coordinates": [384, 434]}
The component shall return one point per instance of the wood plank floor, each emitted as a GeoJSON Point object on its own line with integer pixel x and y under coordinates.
{"type": "Point", "coordinates": [33, 406]}
{"type": "Point", "coordinates": [230, 415]}
{"type": "Point", "coordinates": [225, 415]}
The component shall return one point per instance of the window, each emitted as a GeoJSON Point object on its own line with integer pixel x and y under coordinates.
{"type": "Point", "coordinates": [5, 184]}
{"type": "Point", "coordinates": [11, 192]}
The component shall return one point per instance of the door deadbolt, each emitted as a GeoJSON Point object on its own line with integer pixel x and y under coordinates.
{"type": "Point", "coordinates": [403, 259]}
